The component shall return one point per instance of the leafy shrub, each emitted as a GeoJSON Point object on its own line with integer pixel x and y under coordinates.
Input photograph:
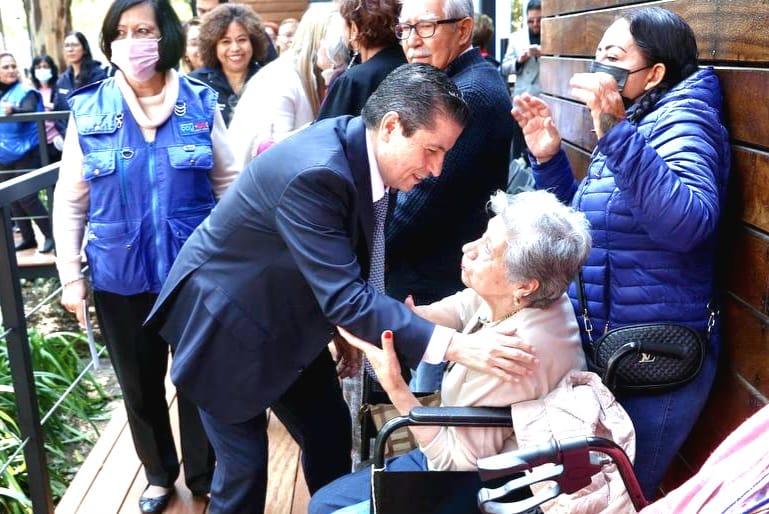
{"type": "Point", "coordinates": [58, 359]}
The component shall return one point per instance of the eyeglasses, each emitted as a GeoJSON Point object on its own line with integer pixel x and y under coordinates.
{"type": "Point", "coordinates": [424, 29]}
{"type": "Point", "coordinates": [72, 45]}
{"type": "Point", "coordinates": [533, 20]}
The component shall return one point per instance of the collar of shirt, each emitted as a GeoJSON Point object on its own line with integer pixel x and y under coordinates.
{"type": "Point", "coordinates": [378, 188]}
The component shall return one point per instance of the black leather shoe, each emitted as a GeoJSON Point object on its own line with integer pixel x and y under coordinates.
{"type": "Point", "coordinates": [47, 246]}
{"type": "Point", "coordinates": [155, 505]}
{"type": "Point", "coordinates": [26, 244]}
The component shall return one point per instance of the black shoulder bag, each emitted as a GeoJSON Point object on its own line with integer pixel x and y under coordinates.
{"type": "Point", "coordinates": [647, 357]}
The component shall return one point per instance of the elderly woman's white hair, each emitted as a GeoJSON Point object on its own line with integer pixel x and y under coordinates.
{"type": "Point", "coordinates": [547, 241]}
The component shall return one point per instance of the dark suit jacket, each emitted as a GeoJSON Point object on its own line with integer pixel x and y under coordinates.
{"type": "Point", "coordinates": [255, 292]}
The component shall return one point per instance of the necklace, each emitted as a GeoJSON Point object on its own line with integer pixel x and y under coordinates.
{"type": "Point", "coordinates": [494, 322]}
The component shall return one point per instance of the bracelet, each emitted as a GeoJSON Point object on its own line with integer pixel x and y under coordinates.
{"type": "Point", "coordinates": [70, 282]}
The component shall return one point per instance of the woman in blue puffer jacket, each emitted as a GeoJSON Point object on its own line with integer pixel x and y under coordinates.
{"type": "Point", "coordinates": [653, 194]}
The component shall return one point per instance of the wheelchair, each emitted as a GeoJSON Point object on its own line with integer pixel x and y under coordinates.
{"type": "Point", "coordinates": [431, 492]}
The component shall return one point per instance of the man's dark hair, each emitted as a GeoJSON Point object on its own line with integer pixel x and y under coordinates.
{"type": "Point", "coordinates": [173, 41]}
{"type": "Point", "coordinates": [534, 4]}
{"type": "Point", "coordinates": [418, 93]}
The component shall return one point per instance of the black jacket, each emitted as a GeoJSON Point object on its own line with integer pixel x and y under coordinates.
{"type": "Point", "coordinates": [67, 83]}
{"type": "Point", "coordinates": [228, 99]}
{"type": "Point", "coordinates": [349, 92]}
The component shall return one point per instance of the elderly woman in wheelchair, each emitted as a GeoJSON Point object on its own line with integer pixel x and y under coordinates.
{"type": "Point", "coordinates": [516, 276]}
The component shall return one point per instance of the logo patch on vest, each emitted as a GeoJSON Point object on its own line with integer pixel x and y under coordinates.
{"type": "Point", "coordinates": [194, 127]}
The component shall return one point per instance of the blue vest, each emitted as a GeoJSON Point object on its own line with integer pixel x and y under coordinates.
{"type": "Point", "coordinates": [145, 198]}
{"type": "Point", "coordinates": [16, 139]}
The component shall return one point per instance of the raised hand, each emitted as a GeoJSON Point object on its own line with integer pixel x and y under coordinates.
{"type": "Point", "coordinates": [539, 130]}
{"type": "Point", "coordinates": [600, 94]}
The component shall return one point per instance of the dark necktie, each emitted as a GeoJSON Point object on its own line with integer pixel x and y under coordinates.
{"type": "Point", "coordinates": [377, 258]}
{"type": "Point", "coordinates": [353, 387]}
{"type": "Point", "coordinates": [376, 270]}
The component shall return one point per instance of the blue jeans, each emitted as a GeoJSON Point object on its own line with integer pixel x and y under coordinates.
{"type": "Point", "coordinates": [353, 491]}
{"type": "Point", "coordinates": [663, 421]}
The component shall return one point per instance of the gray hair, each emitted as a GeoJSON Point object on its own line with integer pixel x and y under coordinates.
{"type": "Point", "coordinates": [336, 46]}
{"type": "Point", "coordinates": [418, 93]}
{"type": "Point", "coordinates": [458, 8]}
{"type": "Point", "coordinates": [547, 241]}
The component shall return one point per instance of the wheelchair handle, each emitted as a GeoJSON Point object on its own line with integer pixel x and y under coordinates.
{"type": "Point", "coordinates": [573, 454]}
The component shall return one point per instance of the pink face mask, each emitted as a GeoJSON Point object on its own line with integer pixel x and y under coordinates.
{"type": "Point", "coordinates": [136, 58]}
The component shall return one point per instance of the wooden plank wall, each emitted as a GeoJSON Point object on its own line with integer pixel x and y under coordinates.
{"type": "Point", "coordinates": [277, 10]}
{"type": "Point", "coordinates": [732, 37]}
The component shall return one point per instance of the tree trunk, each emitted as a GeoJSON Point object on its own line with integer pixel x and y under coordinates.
{"type": "Point", "coordinates": [48, 22]}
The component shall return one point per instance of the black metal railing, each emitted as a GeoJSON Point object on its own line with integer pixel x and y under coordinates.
{"type": "Point", "coordinates": [14, 319]}
{"type": "Point", "coordinates": [39, 118]}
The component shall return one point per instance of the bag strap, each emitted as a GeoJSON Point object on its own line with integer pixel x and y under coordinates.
{"type": "Point", "coordinates": [583, 306]}
{"type": "Point", "coordinates": [712, 307]}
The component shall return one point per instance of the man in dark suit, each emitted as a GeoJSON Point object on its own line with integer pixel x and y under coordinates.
{"type": "Point", "coordinates": [253, 297]}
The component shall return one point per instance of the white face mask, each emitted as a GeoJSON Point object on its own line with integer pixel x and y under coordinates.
{"type": "Point", "coordinates": [136, 58]}
{"type": "Point", "coordinates": [43, 75]}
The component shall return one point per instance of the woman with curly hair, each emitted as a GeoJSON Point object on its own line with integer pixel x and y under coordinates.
{"type": "Point", "coordinates": [231, 41]}
{"type": "Point", "coordinates": [368, 28]}
{"type": "Point", "coordinates": [285, 95]}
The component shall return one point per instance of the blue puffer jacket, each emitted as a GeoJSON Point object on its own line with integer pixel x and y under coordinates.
{"type": "Point", "coordinates": [653, 196]}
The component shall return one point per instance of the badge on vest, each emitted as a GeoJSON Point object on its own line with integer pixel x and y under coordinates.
{"type": "Point", "coordinates": [193, 127]}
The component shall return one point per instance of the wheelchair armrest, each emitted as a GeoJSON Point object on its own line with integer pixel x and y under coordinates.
{"type": "Point", "coordinates": [461, 416]}
{"type": "Point", "coordinates": [441, 416]}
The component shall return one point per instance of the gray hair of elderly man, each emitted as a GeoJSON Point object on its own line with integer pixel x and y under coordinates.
{"type": "Point", "coordinates": [547, 241]}
{"type": "Point", "coordinates": [458, 8]}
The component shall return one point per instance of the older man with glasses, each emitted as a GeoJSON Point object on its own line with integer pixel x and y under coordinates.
{"type": "Point", "coordinates": [431, 222]}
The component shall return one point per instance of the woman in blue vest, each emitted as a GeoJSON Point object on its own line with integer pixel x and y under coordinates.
{"type": "Point", "coordinates": [144, 162]}
{"type": "Point", "coordinates": [19, 151]}
{"type": "Point", "coordinates": [653, 194]}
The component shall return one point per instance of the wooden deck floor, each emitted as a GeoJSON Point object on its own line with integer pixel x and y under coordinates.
{"type": "Point", "coordinates": [112, 479]}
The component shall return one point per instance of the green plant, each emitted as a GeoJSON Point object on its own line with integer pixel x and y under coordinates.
{"type": "Point", "coordinates": [58, 360]}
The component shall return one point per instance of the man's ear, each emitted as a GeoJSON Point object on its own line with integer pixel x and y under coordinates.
{"type": "Point", "coordinates": [390, 122]}
{"type": "Point", "coordinates": [465, 27]}
{"type": "Point", "coordinates": [655, 76]}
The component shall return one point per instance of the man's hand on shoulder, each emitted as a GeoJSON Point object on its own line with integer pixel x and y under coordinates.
{"type": "Point", "coordinates": [502, 354]}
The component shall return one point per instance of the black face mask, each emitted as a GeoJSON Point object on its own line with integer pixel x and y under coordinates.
{"type": "Point", "coordinates": [619, 74]}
